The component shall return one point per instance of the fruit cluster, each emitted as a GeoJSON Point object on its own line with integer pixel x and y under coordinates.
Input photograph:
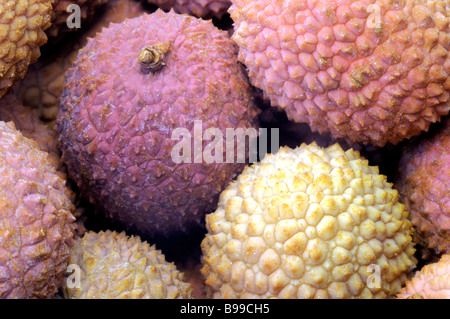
{"type": "Point", "coordinates": [224, 149]}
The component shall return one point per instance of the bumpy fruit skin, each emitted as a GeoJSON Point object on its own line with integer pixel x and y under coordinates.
{"type": "Point", "coordinates": [28, 123]}
{"type": "Point", "coordinates": [332, 65]}
{"type": "Point", "coordinates": [116, 266]}
{"type": "Point", "coordinates": [42, 87]}
{"type": "Point", "coordinates": [36, 230]}
{"type": "Point", "coordinates": [308, 222]}
{"type": "Point", "coordinates": [293, 134]}
{"type": "Point", "coordinates": [431, 282]}
{"type": "Point", "coordinates": [61, 15]}
{"type": "Point", "coordinates": [116, 122]}
{"type": "Point", "coordinates": [423, 182]}
{"type": "Point", "coordinates": [200, 8]}
{"type": "Point", "coordinates": [22, 26]}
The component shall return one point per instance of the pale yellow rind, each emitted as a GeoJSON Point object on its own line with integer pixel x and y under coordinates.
{"type": "Point", "coordinates": [111, 265]}
{"type": "Point", "coordinates": [309, 222]}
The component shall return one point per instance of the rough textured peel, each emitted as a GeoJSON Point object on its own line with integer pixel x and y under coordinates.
{"type": "Point", "coordinates": [42, 87]}
{"type": "Point", "coordinates": [423, 181]}
{"type": "Point", "coordinates": [431, 282]}
{"type": "Point", "coordinates": [28, 123]}
{"type": "Point", "coordinates": [308, 222]}
{"type": "Point", "coordinates": [200, 8]}
{"type": "Point", "coordinates": [36, 228]}
{"type": "Point", "coordinates": [116, 120]}
{"type": "Point", "coordinates": [369, 71]}
{"type": "Point", "coordinates": [116, 266]}
{"type": "Point", "coordinates": [22, 26]}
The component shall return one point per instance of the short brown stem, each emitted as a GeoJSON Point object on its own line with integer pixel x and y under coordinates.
{"type": "Point", "coordinates": [151, 58]}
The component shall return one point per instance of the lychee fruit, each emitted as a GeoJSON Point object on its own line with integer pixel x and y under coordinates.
{"type": "Point", "coordinates": [112, 265]}
{"type": "Point", "coordinates": [21, 35]}
{"type": "Point", "coordinates": [306, 223]}
{"type": "Point", "coordinates": [423, 181]}
{"type": "Point", "coordinates": [27, 122]}
{"type": "Point", "coordinates": [42, 86]}
{"type": "Point", "coordinates": [431, 282]}
{"type": "Point", "coordinates": [136, 92]}
{"type": "Point", "coordinates": [36, 230]}
{"type": "Point", "coordinates": [373, 72]}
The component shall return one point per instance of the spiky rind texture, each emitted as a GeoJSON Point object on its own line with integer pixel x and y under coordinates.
{"type": "Point", "coordinates": [116, 122]}
{"type": "Point", "coordinates": [27, 122]}
{"type": "Point", "coordinates": [200, 8]}
{"type": "Point", "coordinates": [113, 265]}
{"type": "Point", "coordinates": [22, 26]}
{"type": "Point", "coordinates": [423, 182]}
{"type": "Point", "coordinates": [36, 230]}
{"type": "Point", "coordinates": [308, 222]}
{"type": "Point", "coordinates": [61, 15]}
{"type": "Point", "coordinates": [431, 282]}
{"type": "Point", "coordinates": [42, 87]}
{"type": "Point", "coordinates": [330, 64]}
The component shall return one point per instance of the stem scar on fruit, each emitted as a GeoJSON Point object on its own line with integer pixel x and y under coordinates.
{"type": "Point", "coordinates": [151, 58]}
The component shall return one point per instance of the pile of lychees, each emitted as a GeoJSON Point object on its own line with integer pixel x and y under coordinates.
{"type": "Point", "coordinates": [224, 149]}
